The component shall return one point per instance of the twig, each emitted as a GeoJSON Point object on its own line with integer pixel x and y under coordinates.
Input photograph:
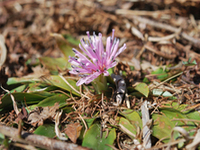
{"type": "Point", "coordinates": [38, 140]}
{"type": "Point", "coordinates": [73, 87]}
{"type": "Point", "coordinates": [194, 41]}
{"type": "Point", "coordinates": [158, 39]}
{"type": "Point", "coordinates": [157, 24]}
{"type": "Point", "coordinates": [60, 135]}
{"type": "Point", "coordinates": [146, 129]}
{"type": "Point", "coordinates": [176, 75]}
{"type": "Point", "coordinates": [195, 143]}
{"type": "Point", "coordinates": [86, 127]}
{"type": "Point", "coordinates": [171, 56]}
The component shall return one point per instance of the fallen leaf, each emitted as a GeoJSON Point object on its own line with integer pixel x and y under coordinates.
{"type": "Point", "coordinates": [39, 114]}
{"type": "Point", "coordinates": [73, 131]}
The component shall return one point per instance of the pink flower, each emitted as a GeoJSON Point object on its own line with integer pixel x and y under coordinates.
{"type": "Point", "coordinates": [96, 60]}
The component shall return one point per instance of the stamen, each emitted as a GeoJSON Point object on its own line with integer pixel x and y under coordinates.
{"type": "Point", "coordinates": [74, 50]}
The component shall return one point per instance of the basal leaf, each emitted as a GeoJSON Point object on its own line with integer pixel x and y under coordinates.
{"type": "Point", "coordinates": [65, 48]}
{"type": "Point", "coordinates": [47, 130]}
{"type": "Point", "coordinates": [59, 82]}
{"type": "Point", "coordinates": [31, 98]}
{"type": "Point", "coordinates": [54, 64]}
{"type": "Point", "coordinates": [20, 88]}
{"type": "Point", "coordinates": [162, 127]}
{"type": "Point", "coordinates": [193, 115]}
{"type": "Point", "coordinates": [127, 127]}
{"type": "Point", "coordinates": [175, 114]}
{"type": "Point", "coordinates": [14, 80]}
{"type": "Point", "coordinates": [133, 117]}
{"type": "Point", "coordinates": [71, 40]}
{"type": "Point", "coordinates": [94, 140]}
{"type": "Point", "coordinates": [143, 89]}
{"type": "Point", "coordinates": [50, 101]}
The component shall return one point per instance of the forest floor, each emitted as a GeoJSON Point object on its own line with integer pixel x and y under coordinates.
{"type": "Point", "coordinates": [40, 104]}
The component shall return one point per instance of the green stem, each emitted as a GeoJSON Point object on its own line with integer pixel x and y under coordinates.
{"type": "Point", "coordinates": [100, 84]}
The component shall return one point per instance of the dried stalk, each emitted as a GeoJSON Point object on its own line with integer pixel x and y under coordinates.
{"type": "Point", "coordinates": [38, 140]}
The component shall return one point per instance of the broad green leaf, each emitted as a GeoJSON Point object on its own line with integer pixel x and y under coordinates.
{"type": "Point", "coordinates": [47, 130]}
{"type": "Point", "coordinates": [34, 87]}
{"type": "Point", "coordinates": [133, 117]}
{"type": "Point", "coordinates": [14, 80]}
{"type": "Point", "coordinates": [162, 127]}
{"type": "Point", "coordinates": [50, 101]}
{"type": "Point", "coordinates": [59, 82]}
{"type": "Point", "coordinates": [175, 114]}
{"type": "Point", "coordinates": [94, 140]}
{"type": "Point", "coordinates": [54, 64]}
{"type": "Point", "coordinates": [161, 74]}
{"type": "Point", "coordinates": [125, 126]}
{"type": "Point", "coordinates": [89, 121]}
{"type": "Point", "coordinates": [63, 45]}
{"type": "Point", "coordinates": [31, 98]}
{"type": "Point", "coordinates": [143, 89]}
{"type": "Point", "coordinates": [175, 105]}
{"type": "Point", "coordinates": [193, 115]}
{"type": "Point", "coordinates": [71, 40]}
{"type": "Point", "coordinates": [19, 88]}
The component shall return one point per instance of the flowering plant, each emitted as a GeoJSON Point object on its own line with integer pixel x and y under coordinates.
{"type": "Point", "coordinates": [95, 63]}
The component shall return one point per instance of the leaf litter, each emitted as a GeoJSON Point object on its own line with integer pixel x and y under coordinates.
{"type": "Point", "coordinates": [160, 68]}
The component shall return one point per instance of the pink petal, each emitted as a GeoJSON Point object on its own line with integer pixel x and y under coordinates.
{"type": "Point", "coordinates": [91, 77]}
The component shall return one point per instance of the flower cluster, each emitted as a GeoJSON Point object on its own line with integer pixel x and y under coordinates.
{"type": "Point", "coordinates": [96, 60]}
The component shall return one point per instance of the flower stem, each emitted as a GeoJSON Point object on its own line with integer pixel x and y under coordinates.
{"type": "Point", "coordinates": [100, 84]}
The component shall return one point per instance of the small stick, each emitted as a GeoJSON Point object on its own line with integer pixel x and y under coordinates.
{"type": "Point", "coordinates": [38, 140]}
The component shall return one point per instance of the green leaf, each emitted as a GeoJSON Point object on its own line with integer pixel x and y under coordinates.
{"type": "Point", "coordinates": [189, 63]}
{"type": "Point", "coordinates": [94, 140]}
{"type": "Point", "coordinates": [133, 117]}
{"type": "Point", "coordinates": [54, 64]}
{"type": "Point", "coordinates": [163, 124]}
{"type": "Point", "coordinates": [65, 48]}
{"type": "Point", "coordinates": [175, 114]}
{"type": "Point", "coordinates": [34, 87]}
{"type": "Point", "coordinates": [50, 101]}
{"type": "Point", "coordinates": [22, 80]}
{"type": "Point", "coordinates": [89, 121]}
{"type": "Point", "coordinates": [162, 127]}
{"type": "Point", "coordinates": [59, 82]}
{"type": "Point", "coordinates": [30, 98]}
{"type": "Point", "coordinates": [2, 137]}
{"type": "Point", "coordinates": [71, 40]}
{"type": "Point", "coordinates": [143, 89]}
{"type": "Point", "coordinates": [161, 74]}
{"type": "Point", "coordinates": [19, 88]}
{"type": "Point", "coordinates": [47, 130]}
{"type": "Point", "coordinates": [193, 115]}
{"type": "Point", "coordinates": [125, 126]}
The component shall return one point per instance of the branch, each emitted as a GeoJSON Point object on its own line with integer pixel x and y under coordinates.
{"type": "Point", "coordinates": [38, 140]}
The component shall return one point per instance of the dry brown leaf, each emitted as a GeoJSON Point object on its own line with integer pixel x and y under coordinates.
{"type": "Point", "coordinates": [40, 114]}
{"type": "Point", "coordinates": [22, 115]}
{"type": "Point", "coordinates": [73, 131]}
